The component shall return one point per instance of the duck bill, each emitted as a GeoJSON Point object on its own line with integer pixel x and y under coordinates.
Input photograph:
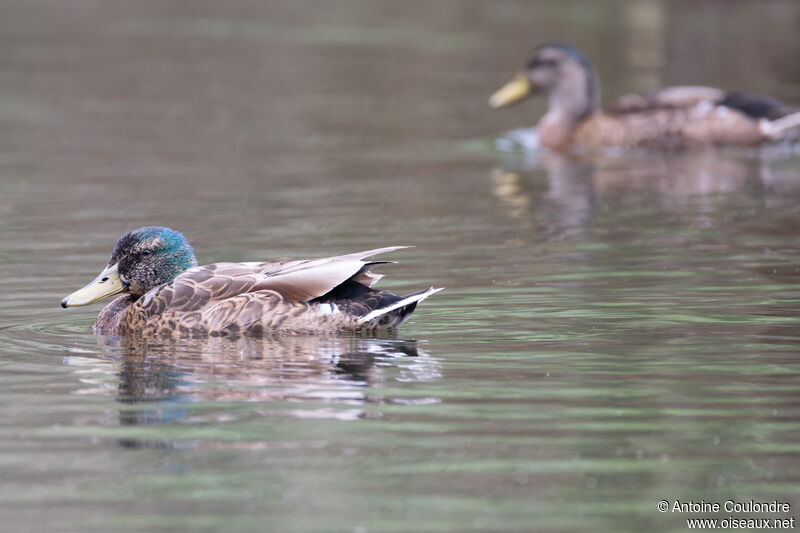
{"type": "Point", "coordinates": [104, 285]}
{"type": "Point", "coordinates": [513, 91]}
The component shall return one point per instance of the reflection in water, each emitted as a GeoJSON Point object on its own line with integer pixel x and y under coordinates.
{"type": "Point", "coordinates": [646, 52]}
{"type": "Point", "coordinates": [567, 204]}
{"type": "Point", "coordinates": [316, 375]}
{"type": "Point", "coordinates": [565, 207]}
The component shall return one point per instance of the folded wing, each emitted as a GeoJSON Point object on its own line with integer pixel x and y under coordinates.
{"type": "Point", "coordinates": [295, 280]}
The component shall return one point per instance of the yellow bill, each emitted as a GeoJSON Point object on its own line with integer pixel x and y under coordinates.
{"type": "Point", "coordinates": [513, 91]}
{"type": "Point", "coordinates": [106, 284]}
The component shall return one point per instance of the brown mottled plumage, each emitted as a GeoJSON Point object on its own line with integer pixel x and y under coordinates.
{"type": "Point", "coordinates": [285, 296]}
{"type": "Point", "coordinates": [674, 118]}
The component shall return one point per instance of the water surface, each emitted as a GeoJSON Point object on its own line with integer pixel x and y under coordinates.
{"type": "Point", "coordinates": [615, 331]}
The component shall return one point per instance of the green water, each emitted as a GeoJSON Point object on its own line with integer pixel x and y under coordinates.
{"type": "Point", "coordinates": [614, 332]}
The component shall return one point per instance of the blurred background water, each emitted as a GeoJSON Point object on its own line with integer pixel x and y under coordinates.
{"type": "Point", "coordinates": [615, 331]}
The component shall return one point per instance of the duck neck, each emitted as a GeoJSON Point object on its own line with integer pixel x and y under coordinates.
{"type": "Point", "coordinates": [573, 100]}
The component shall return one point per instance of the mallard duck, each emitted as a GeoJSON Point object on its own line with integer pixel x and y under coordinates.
{"type": "Point", "coordinates": [165, 292]}
{"type": "Point", "coordinates": [674, 117]}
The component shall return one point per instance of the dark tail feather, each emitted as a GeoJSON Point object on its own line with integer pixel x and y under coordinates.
{"type": "Point", "coordinates": [756, 105]}
{"type": "Point", "coordinates": [395, 313]}
{"type": "Point", "coordinates": [373, 308]}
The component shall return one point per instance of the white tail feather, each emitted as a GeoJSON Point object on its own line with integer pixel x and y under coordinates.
{"type": "Point", "coordinates": [397, 305]}
{"type": "Point", "coordinates": [775, 129]}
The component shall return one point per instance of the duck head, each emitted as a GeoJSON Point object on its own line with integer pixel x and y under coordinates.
{"type": "Point", "coordinates": [141, 259]}
{"type": "Point", "coordinates": [565, 75]}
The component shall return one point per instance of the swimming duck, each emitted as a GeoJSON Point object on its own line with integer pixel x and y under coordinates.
{"type": "Point", "coordinates": [165, 292]}
{"type": "Point", "coordinates": [674, 117]}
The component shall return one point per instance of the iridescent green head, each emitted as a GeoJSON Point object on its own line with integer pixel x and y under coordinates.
{"type": "Point", "coordinates": [142, 259]}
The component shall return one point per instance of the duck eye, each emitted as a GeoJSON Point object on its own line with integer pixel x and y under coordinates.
{"type": "Point", "coordinates": [147, 252]}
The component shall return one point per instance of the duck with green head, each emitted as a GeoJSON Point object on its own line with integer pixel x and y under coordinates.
{"type": "Point", "coordinates": [673, 117]}
{"type": "Point", "coordinates": [164, 291]}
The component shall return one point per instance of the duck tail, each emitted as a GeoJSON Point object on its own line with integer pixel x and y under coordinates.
{"type": "Point", "coordinates": [777, 129]}
{"type": "Point", "coordinates": [384, 316]}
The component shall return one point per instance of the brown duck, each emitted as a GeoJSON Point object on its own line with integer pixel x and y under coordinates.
{"type": "Point", "coordinates": [674, 117]}
{"type": "Point", "coordinates": [164, 292]}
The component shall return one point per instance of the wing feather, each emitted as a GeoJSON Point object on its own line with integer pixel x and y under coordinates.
{"type": "Point", "coordinates": [311, 281]}
{"type": "Point", "coordinates": [677, 97]}
{"type": "Point", "coordinates": [294, 280]}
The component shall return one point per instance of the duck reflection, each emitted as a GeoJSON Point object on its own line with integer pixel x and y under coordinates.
{"type": "Point", "coordinates": [565, 193]}
{"type": "Point", "coordinates": [297, 376]}
{"type": "Point", "coordinates": [564, 205]}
